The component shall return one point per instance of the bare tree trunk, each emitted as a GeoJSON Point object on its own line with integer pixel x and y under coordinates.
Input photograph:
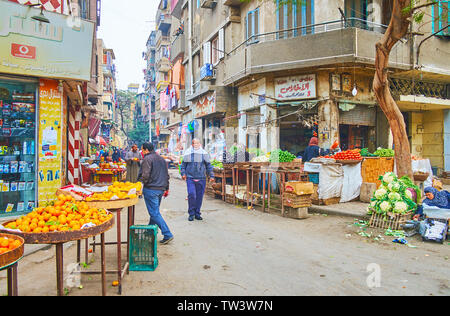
{"type": "Point", "coordinates": [398, 28]}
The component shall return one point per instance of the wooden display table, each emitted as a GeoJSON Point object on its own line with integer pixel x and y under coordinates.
{"type": "Point", "coordinates": [9, 261]}
{"type": "Point", "coordinates": [115, 206]}
{"type": "Point", "coordinates": [106, 176]}
{"type": "Point", "coordinates": [59, 239]}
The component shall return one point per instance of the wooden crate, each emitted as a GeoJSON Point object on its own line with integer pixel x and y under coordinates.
{"type": "Point", "coordinates": [330, 201]}
{"type": "Point", "coordinates": [374, 167]}
{"type": "Point", "coordinates": [297, 201]}
{"type": "Point", "coordinates": [391, 220]}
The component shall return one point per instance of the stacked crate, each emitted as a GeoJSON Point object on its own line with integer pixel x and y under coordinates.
{"type": "Point", "coordinates": [374, 167]}
{"type": "Point", "coordinates": [298, 194]}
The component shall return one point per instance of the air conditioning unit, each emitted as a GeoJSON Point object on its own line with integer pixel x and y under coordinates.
{"type": "Point", "coordinates": [207, 72]}
{"type": "Point", "coordinates": [208, 4]}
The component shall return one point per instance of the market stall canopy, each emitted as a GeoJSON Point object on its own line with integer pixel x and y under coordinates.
{"type": "Point", "coordinates": [94, 126]}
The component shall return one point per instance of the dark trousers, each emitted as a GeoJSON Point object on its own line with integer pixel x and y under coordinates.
{"type": "Point", "coordinates": [196, 190]}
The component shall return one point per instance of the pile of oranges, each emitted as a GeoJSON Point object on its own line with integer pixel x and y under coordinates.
{"type": "Point", "coordinates": [7, 244]}
{"type": "Point", "coordinates": [65, 214]}
{"type": "Point", "coordinates": [118, 189]}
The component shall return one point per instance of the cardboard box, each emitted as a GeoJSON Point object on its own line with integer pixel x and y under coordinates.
{"type": "Point", "coordinates": [299, 188]}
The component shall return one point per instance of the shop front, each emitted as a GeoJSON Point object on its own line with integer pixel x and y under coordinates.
{"type": "Point", "coordinates": [210, 125]}
{"type": "Point", "coordinates": [357, 126]}
{"type": "Point", "coordinates": [297, 111]}
{"type": "Point", "coordinates": [34, 105]}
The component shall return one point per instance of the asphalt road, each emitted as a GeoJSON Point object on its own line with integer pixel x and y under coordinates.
{"type": "Point", "coordinates": [236, 251]}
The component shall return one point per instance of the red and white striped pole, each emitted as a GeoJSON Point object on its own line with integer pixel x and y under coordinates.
{"type": "Point", "coordinates": [73, 161]}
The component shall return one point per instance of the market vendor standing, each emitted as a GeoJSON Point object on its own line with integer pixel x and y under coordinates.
{"type": "Point", "coordinates": [133, 159]}
{"type": "Point", "coordinates": [312, 151]}
{"type": "Point", "coordinates": [195, 168]}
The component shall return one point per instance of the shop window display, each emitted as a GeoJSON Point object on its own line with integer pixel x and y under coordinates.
{"type": "Point", "coordinates": [17, 147]}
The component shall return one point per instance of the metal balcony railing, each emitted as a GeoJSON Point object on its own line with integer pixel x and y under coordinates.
{"type": "Point", "coordinates": [311, 29]}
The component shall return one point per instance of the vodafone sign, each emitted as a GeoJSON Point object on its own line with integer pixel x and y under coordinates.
{"type": "Point", "coordinates": [23, 51]}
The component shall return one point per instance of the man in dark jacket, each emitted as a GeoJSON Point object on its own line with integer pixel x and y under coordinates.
{"type": "Point", "coordinates": [195, 168]}
{"type": "Point", "coordinates": [154, 175]}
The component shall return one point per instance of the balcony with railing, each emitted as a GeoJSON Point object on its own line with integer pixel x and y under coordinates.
{"type": "Point", "coordinates": [335, 42]}
{"type": "Point", "coordinates": [178, 47]}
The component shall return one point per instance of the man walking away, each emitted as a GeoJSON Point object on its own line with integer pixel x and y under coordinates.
{"type": "Point", "coordinates": [154, 175]}
{"type": "Point", "coordinates": [194, 169]}
{"type": "Point", "coordinates": [133, 159]}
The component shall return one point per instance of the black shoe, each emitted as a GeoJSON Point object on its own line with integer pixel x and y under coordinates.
{"type": "Point", "coordinates": [191, 218]}
{"type": "Point", "coordinates": [199, 218]}
{"type": "Point", "coordinates": [165, 240]}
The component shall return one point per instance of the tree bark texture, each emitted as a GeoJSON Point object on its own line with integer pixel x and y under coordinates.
{"type": "Point", "coordinates": [398, 28]}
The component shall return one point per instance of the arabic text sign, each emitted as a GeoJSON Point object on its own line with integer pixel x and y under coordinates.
{"type": "Point", "coordinates": [60, 49]}
{"type": "Point", "coordinates": [295, 88]}
{"type": "Point", "coordinates": [50, 115]}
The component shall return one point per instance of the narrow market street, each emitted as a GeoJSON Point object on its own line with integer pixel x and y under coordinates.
{"type": "Point", "coordinates": [235, 251]}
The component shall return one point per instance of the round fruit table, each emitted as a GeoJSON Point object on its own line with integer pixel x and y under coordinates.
{"type": "Point", "coordinates": [116, 206]}
{"type": "Point", "coordinates": [9, 261]}
{"type": "Point", "coordinates": [59, 239]}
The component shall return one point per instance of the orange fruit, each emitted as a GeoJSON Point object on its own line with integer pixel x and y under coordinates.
{"type": "Point", "coordinates": [52, 228]}
{"type": "Point", "coordinates": [45, 229]}
{"type": "Point", "coordinates": [37, 230]}
{"type": "Point", "coordinates": [41, 223]}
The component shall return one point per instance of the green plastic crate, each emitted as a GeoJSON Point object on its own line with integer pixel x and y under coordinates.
{"type": "Point", "coordinates": [143, 252]}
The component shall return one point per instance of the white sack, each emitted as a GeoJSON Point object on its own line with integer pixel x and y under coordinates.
{"type": "Point", "coordinates": [330, 181]}
{"type": "Point", "coordinates": [351, 186]}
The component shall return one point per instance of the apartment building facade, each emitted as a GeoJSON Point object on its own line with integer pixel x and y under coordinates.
{"type": "Point", "coordinates": [269, 76]}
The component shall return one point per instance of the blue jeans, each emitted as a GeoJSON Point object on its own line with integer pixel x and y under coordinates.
{"type": "Point", "coordinates": [153, 201]}
{"type": "Point", "coordinates": [196, 190]}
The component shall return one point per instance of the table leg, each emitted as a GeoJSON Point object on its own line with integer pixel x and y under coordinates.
{"type": "Point", "coordinates": [130, 223]}
{"type": "Point", "coordinates": [86, 250]}
{"type": "Point", "coordinates": [103, 259]}
{"type": "Point", "coordinates": [59, 269]}
{"type": "Point", "coordinates": [269, 187]}
{"type": "Point", "coordinates": [264, 192]}
{"type": "Point", "coordinates": [78, 251]}
{"type": "Point", "coordinates": [248, 185]}
{"type": "Point", "coordinates": [119, 252]}
{"type": "Point", "coordinates": [12, 280]}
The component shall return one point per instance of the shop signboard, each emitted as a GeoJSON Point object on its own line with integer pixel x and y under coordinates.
{"type": "Point", "coordinates": [205, 105]}
{"type": "Point", "coordinates": [50, 113]}
{"type": "Point", "coordinates": [296, 87]}
{"type": "Point", "coordinates": [60, 49]}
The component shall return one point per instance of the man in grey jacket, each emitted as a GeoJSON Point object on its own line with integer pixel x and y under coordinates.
{"type": "Point", "coordinates": [154, 175]}
{"type": "Point", "coordinates": [195, 168]}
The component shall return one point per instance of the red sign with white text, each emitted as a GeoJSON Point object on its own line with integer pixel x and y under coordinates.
{"type": "Point", "coordinates": [23, 51]}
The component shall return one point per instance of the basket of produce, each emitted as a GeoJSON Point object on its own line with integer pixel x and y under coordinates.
{"type": "Point", "coordinates": [393, 202]}
{"type": "Point", "coordinates": [118, 195]}
{"type": "Point", "coordinates": [64, 221]}
{"type": "Point", "coordinates": [420, 176]}
{"type": "Point", "coordinates": [348, 156]}
{"type": "Point", "coordinates": [11, 249]}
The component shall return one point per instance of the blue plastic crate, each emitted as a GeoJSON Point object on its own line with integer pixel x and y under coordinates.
{"type": "Point", "coordinates": [314, 178]}
{"type": "Point", "coordinates": [143, 248]}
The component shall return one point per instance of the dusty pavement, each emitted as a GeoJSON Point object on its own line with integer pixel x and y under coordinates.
{"type": "Point", "coordinates": [235, 251]}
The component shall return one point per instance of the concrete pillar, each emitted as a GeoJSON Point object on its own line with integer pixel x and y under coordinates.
{"type": "Point", "coordinates": [447, 140]}
{"type": "Point", "coordinates": [328, 123]}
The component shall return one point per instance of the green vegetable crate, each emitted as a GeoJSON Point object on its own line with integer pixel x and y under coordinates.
{"type": "Point", "coordinates": [143, 250]}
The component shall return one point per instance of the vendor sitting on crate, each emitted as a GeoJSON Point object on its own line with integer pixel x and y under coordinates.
{"type": "Point", "coordinates": [433, 197]}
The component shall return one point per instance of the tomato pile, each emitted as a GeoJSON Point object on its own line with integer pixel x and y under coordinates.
{"type": "Point", "coordinates": [352, 154]}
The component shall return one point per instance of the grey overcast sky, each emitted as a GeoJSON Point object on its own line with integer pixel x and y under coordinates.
{"type": "Point", "coordinates": [125, 27]}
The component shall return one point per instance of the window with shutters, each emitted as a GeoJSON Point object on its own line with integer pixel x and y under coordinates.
{"type": "Point", "coordinates": [252, 26]}
{"type": "Point", "coordinates": [295, 15]}
{"type": "Point", "coordinates": [441, 18]}
{"type": "Point", "coordinates": [215, 50]}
